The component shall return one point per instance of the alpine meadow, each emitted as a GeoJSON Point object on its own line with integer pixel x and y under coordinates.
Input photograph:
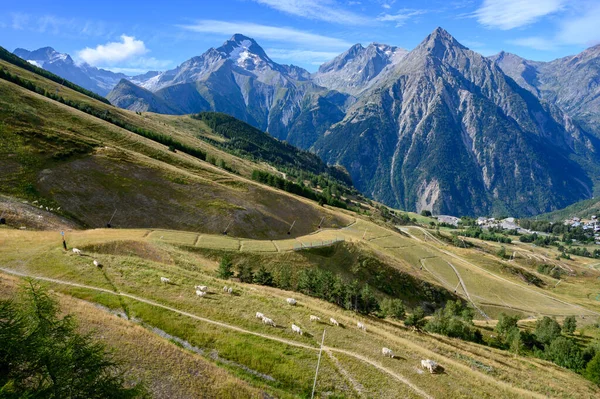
{"type": "Point", "coordinates": [284, 199]}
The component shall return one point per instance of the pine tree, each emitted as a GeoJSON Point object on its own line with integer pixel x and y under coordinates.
{"type": "Point", "coordinates": [225, 270]}
{"type": "Point", "coordinates": [43, 355]}
{"type": "Point", "coordinates": [263, 276]}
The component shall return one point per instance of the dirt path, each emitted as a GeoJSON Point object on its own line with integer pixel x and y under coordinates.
{"type": "Point", "coordinates": [357, 386]}
{"type": "Point", "coordinates": [461, 259]}
{"type": "Point", "coordinates": [357, 356]}
{"type": "Point", "coordinates": [464, 287]}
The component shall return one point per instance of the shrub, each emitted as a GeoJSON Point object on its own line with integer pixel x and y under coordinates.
{"type": "Point", "coordinates": [416, 319]}
{"type": "Point", "coordinates": [546, 330]}
{"type": "Point", "coordinates": [569, 325]}
{"type": "Point", "coordinates": [393, 307]}
{"type": "Point", "coordinates": [592, 371]}
{"type": "Point", "coordinates": [565, 352]}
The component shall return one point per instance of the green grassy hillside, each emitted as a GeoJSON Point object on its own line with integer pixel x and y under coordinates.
{"type": "Point", "coordinates": [70, 161]}
{"type": "Point", "coordinates": [62, 157]}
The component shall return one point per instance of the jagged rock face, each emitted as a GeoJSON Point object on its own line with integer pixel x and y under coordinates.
{"type": "Point", "coordinates": [572, 83]}
{"type": "Point", "coordinates": [358, 68]}
{"type": "Point", "coordinates": [97, 80]}
{"type": "Point", "coordinates": [239, 79]}
{"type": "Point", "coordinates": [449, 132]}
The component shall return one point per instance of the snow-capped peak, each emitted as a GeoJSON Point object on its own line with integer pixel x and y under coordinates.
{"type": "Point", "coordinates": [245, 53]}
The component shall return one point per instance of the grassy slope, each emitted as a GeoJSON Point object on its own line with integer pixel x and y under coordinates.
{"type": "Point", "coordinates": [139, 349]}
{"type": "Point", "coordinates": [134, 262]}
{"type": "Point", "coordinates": [582, 209]}
{"type": "Point", "coordinates": [63, 157]}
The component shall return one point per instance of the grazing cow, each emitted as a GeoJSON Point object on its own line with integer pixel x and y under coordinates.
{"type": "Point", "coordinates": [77, 251]}
{"type": "Point", "coordinates": [225, 289]}
{"type": "Point", "coordinates": [334, 321]}
{"type": "Point", "coordinates": [291, 301]}
{"type": "Point", "coordinates": [97, 264]}
{"type": "Point", "coordinates": [259, 315]}
{"type": "Point", "coordinates": [165, 280]}
{"type": "Point", "coordinates": [361, 326]}
{"type": "Point", "coordinates": [230, 290]}
{"type": "Point", "coordinates": [268, 321]}
{"type": "Point", "coordinates": [387, 352]}
{"type": "Point", "coordinates": [200, 293]}
{"type": "Point", "coordinates": [315, 318]}
{"type": "Point", "coordinates": [431, 366]}
{"type": "Point", "coordinates": [201, 287]}
{"type": "Point", "coordinates": [296, 329]}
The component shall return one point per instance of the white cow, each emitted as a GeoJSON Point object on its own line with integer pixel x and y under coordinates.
{"type": "Point", "coordinates": [225, 289]}
{"type": "Point", "coordinates": [165, 280]}
{"type": "Point", "coordinates": [259, 315]}
{"type": "Point", "coordinates": [431, 366]}
{"type": "Point", "coordinates": [77, 251]}
{"type": "Point", "coordinates": [268, 322]}
{"type": "Point", "coordinates": [334, 321]}
{"type": "Point", "coordinates": [201, 287]}
{"type": "Point", "coordinates": [96, 263]}
{"type": "Point", "coordinates": [200, 293]}
{"type": "Point", "coordinates": [387, 352]}
{"type": "Point", "coordinates": [296, 329]}
{"type": "Point", "coordinates": [315, 318]}
{"type": "Point", "coordinates": [361, 326]}
{"type": "Point", "coordinates": [291, 301]}
{"type": "Point", "coordinates": [230, 290]}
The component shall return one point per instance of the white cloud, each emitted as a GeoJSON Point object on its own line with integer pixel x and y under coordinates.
{"type": "Point", "coordinates": [401, 16]}
{"type": "Point", "coordinates": [535, 42]}
{"type": "Point", "coordinates": [113, 52]}
{"type": "Point", "coordinates": [302, 56]}
{"type": "Point", "coordinates": [583, 30]}
{"type": "Point", "coordinates": [323, 10]}
{"type": "Point", "coordinates": [576, 27]}
{"type": "Point", "coordinates": [51, 24]}
{"type": "Point", "coordinates": [266, 32]}
{"type": "Point", "coordinates": [510, 14]}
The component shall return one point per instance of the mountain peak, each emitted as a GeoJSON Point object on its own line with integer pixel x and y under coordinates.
{"type": "Point", "coordinates": [245, 52]}
{"type": "Point", "coordinates": [438, 41]}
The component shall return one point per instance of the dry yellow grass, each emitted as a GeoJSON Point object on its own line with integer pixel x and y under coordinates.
{"type": "Point", "coordinates": [471, 370]}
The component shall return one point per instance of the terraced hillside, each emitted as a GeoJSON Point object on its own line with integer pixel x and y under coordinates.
{"type": "Point", "coordinates": [221, 328]}
{"type": "Point", "coordinates": [74, 167]}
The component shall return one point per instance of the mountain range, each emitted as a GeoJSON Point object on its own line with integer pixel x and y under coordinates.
{"type": "Point", "coordinates": [438, 128]}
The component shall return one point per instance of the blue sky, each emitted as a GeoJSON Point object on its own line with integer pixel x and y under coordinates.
{"type": "Point", "coordinates": [136, 36]}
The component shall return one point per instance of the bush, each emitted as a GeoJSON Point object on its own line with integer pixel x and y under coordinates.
{"type": "Point", "coordinates": [416, 319]}
{"type": "Point", "coordinates": [506, 324]}
{"type": "Point", "coordinates": [43, 356]}
{"type": "Point", "coordinates": [454, 320]}
{"type": "Point", "coordinates": [565, 352]}
{"type": "Point", "coordinates": [592, 371]}
{"type": "Point", "coordinates": [393, 307]}
{"type": "Point", "coordinates": [426, 213]}
{"type": "Point", "coordinates": [569, 325]}
{"type": "Point", "coordinates": [546, 330]}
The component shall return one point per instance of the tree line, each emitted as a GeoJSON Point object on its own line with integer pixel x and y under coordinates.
{"type": "Point", "coordinates": [298, 189]}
